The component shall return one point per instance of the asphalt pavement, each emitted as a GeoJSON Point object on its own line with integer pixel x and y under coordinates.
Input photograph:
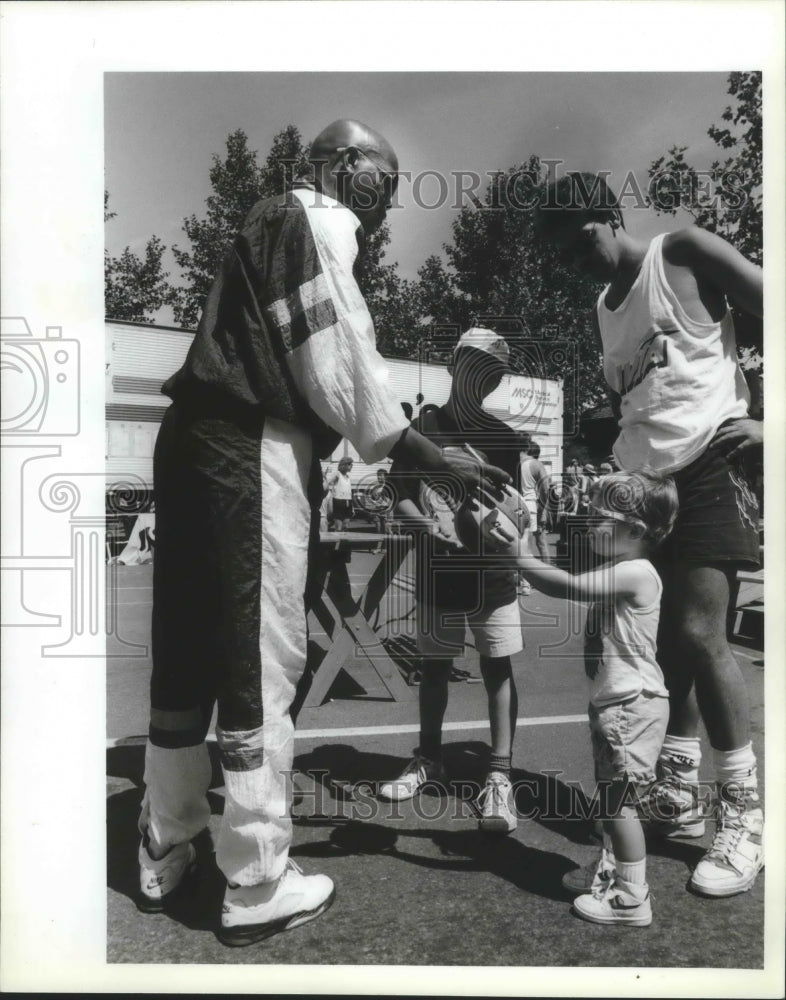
{"type": "Point", "coordinates": [417, 883]}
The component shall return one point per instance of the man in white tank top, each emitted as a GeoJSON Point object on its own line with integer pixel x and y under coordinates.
{"type": "Point", "coordinates": [670, 361]}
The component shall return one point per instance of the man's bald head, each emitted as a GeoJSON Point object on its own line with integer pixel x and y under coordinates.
{"type": "Point", "coordinates": [356, 165]}
{"type": "Point", "coordinates": [347, 132]}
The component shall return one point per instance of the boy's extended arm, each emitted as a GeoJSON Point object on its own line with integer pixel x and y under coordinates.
{"type": "Point", "coordinates": [611, 580]}
{"type": "Point", "coordinates": [721, 265]}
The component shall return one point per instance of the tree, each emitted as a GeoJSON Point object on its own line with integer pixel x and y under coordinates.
{"type": "Point", "coordinates": [725, 198]}
{"type": "Point", "coordinates": [391, 300]}
{"type": "Point", "coordinates": [135, 288]}
{"type": "Point", "coordinates": [238, 182]}
{"type": "Point", "coordinates": [498, 273]}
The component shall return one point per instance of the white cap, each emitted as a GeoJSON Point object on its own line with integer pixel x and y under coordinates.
{"type": "Point", "coordinates": [486, 341]}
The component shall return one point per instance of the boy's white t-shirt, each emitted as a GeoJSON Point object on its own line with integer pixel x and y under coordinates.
{"type": "Point", "coordinates": [619, 647]}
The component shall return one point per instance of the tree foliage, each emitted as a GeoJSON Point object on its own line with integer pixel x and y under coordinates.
{"type": "Point", "coordinates": [499, 274]}
{"type": "Point", "coordinates": [135, 288]}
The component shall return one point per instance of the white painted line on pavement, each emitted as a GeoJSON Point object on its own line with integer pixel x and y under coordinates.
{"type": "Point", "coordinates": [543, 720]}
{"type": "Point", "coordinates": [757, 655]}
{"type": "Point", "coordinates": [306, 734]}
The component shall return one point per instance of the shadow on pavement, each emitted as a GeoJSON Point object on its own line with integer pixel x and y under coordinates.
{"type": "Point", "coordinates": [540, 797]}
{"type": "Point", "coordinates": [338, 770]}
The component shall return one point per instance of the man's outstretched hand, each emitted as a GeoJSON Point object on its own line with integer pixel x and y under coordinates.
{"type": "Point", "coordinates": [473, 472]}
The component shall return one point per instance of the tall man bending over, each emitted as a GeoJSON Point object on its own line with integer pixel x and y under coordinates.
{"type": "Point", "coordinates": [670, 360]}
{"type": "Point", "coordinates": [283, 365]}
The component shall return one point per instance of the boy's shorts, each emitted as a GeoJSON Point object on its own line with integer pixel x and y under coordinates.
{"type": "Point", "coordinates": [627, 738]}
{"type": "Point", "coordinates": [342, 509]}
{"type": "Point", "coordinates": [441, 631]}
{"type": "Point", "coordinates": [718, 520]}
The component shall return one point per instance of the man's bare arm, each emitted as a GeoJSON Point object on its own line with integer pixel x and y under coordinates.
{"type": "Point", "coordinates": [719, 264]}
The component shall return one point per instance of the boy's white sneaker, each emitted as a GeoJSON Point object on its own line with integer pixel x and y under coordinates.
{"type": "Point", "coordinates": [496, 806]}
{"type": "Point", "coordinates": [160, 879]}
{"type": "Point", "coordinates": [593, 877]}
{"type": "Point", "coordinates": [254, 912]}
{"type": "Point", "coordinates": [418, 772]}
{"type": "Point", "coordinates": [736, 855]}
{"type": "Point", "coordinates": [619, 902]}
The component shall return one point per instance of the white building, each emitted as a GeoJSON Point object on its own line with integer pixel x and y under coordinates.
{"type": "Point", "coordinates": [140, 357]}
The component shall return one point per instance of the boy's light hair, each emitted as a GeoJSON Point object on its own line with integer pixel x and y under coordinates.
{"type": "Point", "coordinates": [643, 496]}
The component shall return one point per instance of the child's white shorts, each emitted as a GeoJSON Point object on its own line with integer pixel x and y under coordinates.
{"type": "Point", "coordinates": [441, 631]}
{"type": "Point", "coordinates": [627, 737]}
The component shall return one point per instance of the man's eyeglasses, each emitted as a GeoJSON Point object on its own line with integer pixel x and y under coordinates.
{"type": "Point", "coordinates": [579, 246]}
{"type": "Point", "coordinates": [388, 178]}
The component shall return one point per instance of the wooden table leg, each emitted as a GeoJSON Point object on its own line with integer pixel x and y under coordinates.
{"type": "Point", "coordinates": [351, 630]}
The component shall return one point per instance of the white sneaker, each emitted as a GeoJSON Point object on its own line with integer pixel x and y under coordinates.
{"type": "Point", "coordinates": [496, 805]}
{"type": "Point", "coordinates": [672, 808]}
{"type": "Point", "coordinates": [593, 877]}
{"type": "Point", "coordinates": [255, 912]}
{"type": "Point", "coordinates": [619, 902]}
{"type": "Point", "coordinates": [736, 855]}
{"type": "Point", "coordinates": [417, 773]}
{"type": "Point", "coordinates": [159, 880]}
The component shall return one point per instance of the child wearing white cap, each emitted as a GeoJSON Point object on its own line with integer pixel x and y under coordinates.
{"type": "Point", "coordinates": [451, 596]}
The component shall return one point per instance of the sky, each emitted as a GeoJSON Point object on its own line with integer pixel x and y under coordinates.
{"type": "Point", "coordinates": [162, 130]}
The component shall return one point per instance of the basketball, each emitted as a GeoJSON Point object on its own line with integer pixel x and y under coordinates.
{"type": "Point", "coordinates": [492, 520]}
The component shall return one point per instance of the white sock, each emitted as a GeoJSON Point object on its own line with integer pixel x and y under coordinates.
{"type": "Point", "coordinates": [735, 770]}
{"type": "Point", "coordinates": [634, 872]}
{"type": "Point", "coordinates": [607, 852]}
{"type": "Point", "coordinates": [682, 756]}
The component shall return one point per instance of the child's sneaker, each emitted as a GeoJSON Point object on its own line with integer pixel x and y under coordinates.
{"type": "Point", "coordinates": [254, 912]}
{"type": "Point", "coordinates": [672, 808]}
{"type": "Point", "coordinates": [736, 855]}
{"type": "Point", "coordinates": [619, 902]}
{"type": "Point", "coordinates": [496, 805]}
{"type": "Point", "coordinates": [592, 877]}
{"type": "Point", "coordinates": [160, 880]}
{"type": "Point", "coordinates": [420, 771]}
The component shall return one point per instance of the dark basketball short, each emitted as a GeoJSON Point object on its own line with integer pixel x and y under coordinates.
{"type": "Point", "coordinates": [342, 509]}
{"type": "Point", "coordinates": [718, 520]}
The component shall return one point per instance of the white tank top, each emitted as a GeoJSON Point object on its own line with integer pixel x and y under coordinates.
{"type": "Point", "coordinates": [342, 488]}
{"type": "Point", "coordinates": [528, 487]}
{"type": "Point", "coordinates": [619, 648]}
{"type": "Point", "coordinates": [678, 379]}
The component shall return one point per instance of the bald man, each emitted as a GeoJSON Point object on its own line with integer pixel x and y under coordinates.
{"type": "Point", "coordinates": [283, 365]}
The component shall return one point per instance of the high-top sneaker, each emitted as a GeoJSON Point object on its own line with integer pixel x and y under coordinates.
{"type": "Point", "coordinates": [736, 855]}
{"type": "Point", "coordinates": [619, 902]}
{"type": "Point", "coordinates": [672, 807]}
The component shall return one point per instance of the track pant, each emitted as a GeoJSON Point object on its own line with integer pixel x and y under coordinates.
{"type": "Point", "coordinates": [229, 628]}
